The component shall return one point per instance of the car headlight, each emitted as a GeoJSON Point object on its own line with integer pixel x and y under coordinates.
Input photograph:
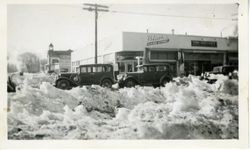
{"type": "Point", "coordinates": [121, 77]}
{"type": "Point", "coordinates": [76, 78]}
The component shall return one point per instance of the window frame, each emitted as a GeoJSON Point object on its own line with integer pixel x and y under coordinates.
{"type": "Point", "coordinates": [82, 68]}
{"type": "Point", "coordinates": [91, 70]}
{"type": "Point", "coordinates": [158, 68]}
{"type": "Point", "coordinates": [97, 69]}
{"type": "Point", "coordinates": [107, 69]}
{"type": "Point", "coordinates": [149, 70]}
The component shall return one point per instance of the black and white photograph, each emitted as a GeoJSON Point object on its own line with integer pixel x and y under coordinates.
{"type": "Point", "coordinates": [123, 71]}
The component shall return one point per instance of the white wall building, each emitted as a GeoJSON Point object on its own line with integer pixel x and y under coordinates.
{"type": "Point", "coordinates": [185, 53]}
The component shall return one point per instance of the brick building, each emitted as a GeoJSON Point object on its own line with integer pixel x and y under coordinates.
{"type": "Point", "coordinates": [58, 61]}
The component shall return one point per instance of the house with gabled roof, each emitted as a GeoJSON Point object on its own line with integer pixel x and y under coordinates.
{"type": "Point", "coordinates": [58, 60]}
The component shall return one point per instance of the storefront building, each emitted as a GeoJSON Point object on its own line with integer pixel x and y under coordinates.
{"type": "Point", "coordinates": [192, 54]}
{"type": "Point", "coordinates": [185, 54]}
{"type": "Point", "coordinates": [58, 61]}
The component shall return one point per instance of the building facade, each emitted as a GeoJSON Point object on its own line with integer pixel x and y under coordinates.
{"type": "Point", "coordinates": [58, 61]}
{"type": "Point", "coordinates": [192, 54]}
{"type": "Point", "coordinates": [185, 54]}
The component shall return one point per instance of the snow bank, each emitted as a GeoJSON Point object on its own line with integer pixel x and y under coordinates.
{"type": "Point", "coordinates": [185, 109]}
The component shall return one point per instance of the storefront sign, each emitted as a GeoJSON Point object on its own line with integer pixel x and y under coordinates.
{"type": "Point", "coordinates": [204, 43]}
{"type": "Point", "coordinates": [155, 39]}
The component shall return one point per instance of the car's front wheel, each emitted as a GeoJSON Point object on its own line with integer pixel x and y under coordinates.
{"type": "Point", "coordinates": [63, 84]}
{"type": "Point", "coordinates": [106, 83]}
{"type": "Point", "coordinates": [130, 83]}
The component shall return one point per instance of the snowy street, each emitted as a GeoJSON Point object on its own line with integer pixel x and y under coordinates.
{"type": "Point", "coordinates": [188, 108]}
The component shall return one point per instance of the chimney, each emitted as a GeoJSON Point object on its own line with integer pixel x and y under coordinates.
{"type": "Point", "coordinates": [172, 31]}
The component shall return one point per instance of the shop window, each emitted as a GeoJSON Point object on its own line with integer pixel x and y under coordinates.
{"type": "Point", "coordinates": [216, 58]}
{"type": "Point", "coordinates": [172, 55]}
{"type": "Point", "coordinates": [128, 55]}
{"type": "Point", "coordinates": [77, 69]}
{"type": "Point", "coordinates": [54, 61]}
{"type": "Point", "coordinates": [154, 55]}
{"type": "Point", "coordinates": [163, 55]}
{"type": "Point", "coordinates": [64, 70]}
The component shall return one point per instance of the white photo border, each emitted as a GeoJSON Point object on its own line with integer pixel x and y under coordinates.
{"type": "Point", "coordinates": [242, 142]}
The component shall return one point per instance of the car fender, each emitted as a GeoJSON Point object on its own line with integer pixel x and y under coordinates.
{"type": "Point", "coordinates": [70, 81]}
{"type": "Point", "coordinates": [165, 76]}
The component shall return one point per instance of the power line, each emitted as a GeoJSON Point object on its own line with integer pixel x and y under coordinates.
{"type": "Point", "coordinates": [165, 15]}
{"type": "Point", "coordinates": [96, 8]}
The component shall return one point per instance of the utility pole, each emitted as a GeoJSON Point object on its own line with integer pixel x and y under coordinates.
{"type": "Point", "coordinates": [96, 8]}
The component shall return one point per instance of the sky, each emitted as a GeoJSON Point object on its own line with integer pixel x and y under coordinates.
{"type": "Point", "coordinates": [32, 27]}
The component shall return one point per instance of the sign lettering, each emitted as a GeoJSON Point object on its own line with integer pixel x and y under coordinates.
{"type": "Point", "coordinates": [155, 39]}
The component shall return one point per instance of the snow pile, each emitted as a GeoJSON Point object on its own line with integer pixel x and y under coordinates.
{"type": "Point", "coordinates": [33, 80]}
{"type": "Point", "coordinates": [185, 109]}
{"type": "Point", "coordinates": [231, 87]}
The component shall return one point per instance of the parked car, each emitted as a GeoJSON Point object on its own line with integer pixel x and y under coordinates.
{"type": "Point", "coordinates": [148, 74]}
{"type": "Point", "coordinates": [11, 86]}
{"type": "Point", "coordinates": [225, 70]}
{"type": "Point", "coordinates": [99, 74]}
{"type": "Point", "coordinates": [230, 71]}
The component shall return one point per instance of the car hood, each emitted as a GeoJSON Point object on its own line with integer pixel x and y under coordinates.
{"type": "Point", "coordinates": [67, 74]}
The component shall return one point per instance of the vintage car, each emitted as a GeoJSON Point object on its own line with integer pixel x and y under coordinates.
{"type": "Point", "coordinates": [99, 74]}
{"type": "Point", "coordinates": [11, 86]}
{"type": "Point", "coordinates": [225, 70]}
{"type": "Point", "coordinates": [148, 74]}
